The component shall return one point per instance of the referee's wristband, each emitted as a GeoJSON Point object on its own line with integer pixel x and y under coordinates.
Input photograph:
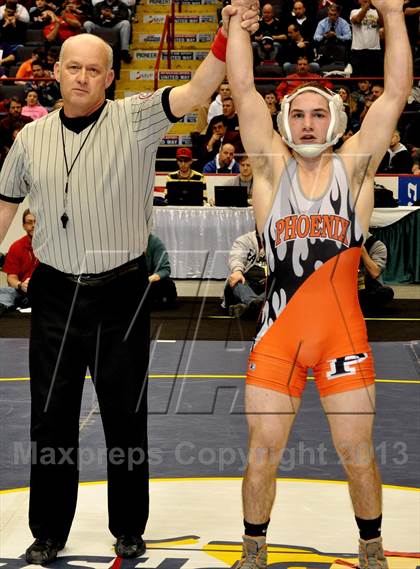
{"type": "Point", "coordinates": [219, 45]}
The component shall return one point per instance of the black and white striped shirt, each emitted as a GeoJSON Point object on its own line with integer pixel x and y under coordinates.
{"type": "Point", "coordinates": [110, 195]}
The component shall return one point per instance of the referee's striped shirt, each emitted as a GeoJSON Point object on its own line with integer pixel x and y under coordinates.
{"type": "Point", "coordinates": [110, 191]}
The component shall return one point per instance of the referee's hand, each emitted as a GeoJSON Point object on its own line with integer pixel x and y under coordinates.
{"type": "Point", "coordinates": [250, 15]}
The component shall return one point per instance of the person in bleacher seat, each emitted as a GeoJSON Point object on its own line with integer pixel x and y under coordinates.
{"type": "Point", "coordinates": [332, 36]}
{"type": "Point", "coordinates": [214, 136]}
{"type": "Point", "coordinates": [267, 52]}
{"type": "Point", "coordinates": [300, 17]}
{"type": "Point", "coordinates": [302, 75]}
{"type": "Point", "coordinates": [32, 108]}
{"type": "Point", "coordinates": [270, 99]}
{"type": "Point", "coordinates": [112, 15]}
{"type": "Point", "coordinates": [36, 13]}
{"type": "Point", "coordinates": [216, 106]}
{"type": "Point", "coordinates": [297, 46]}
{"type": "Point", "coordinates": [270, 26]}
{"type": "Point", "coordinates": [25, 68]}
{"type": "Point", "coordinates": [6, 59]}
{"type": "Point", "coordinates": [366, 54]}
{"type": "Point", "coordinates": [12, 122]}
{"type": "Point", "coordinates": [59, 27]}
{"type": "Point", "coordinates": [362, 93]}
{"type": "Point", "coordinates": [224, 162]}
{"type": "Point", "coordinates": [40, 87]}
{"type": "Point", "coordinates": [20, 12]}
{"type": "Point", "coordinates": [12, 27]}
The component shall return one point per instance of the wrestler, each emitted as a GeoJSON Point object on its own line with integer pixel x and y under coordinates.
{"type": "Point", "coordinates": [313, 208]}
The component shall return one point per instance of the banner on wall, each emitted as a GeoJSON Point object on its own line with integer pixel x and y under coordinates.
{"type": "Point", "coordinates": [408, 189]}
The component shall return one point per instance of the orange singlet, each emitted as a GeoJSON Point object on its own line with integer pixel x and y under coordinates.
{"type": "Point", "coordinates": [311, 317]}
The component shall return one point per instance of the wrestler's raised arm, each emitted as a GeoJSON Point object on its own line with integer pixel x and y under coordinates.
{"type": "Point", "coordinates": [260, 140]}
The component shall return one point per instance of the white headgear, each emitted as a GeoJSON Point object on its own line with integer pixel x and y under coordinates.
{"type": "Point", "coordinates": [338, 122]}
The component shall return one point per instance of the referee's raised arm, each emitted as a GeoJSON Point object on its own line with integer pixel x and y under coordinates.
{"type": "Point", "coordinates": [212, 70]}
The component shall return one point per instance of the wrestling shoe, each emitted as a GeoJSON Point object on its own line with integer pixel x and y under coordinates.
{"type": "Point", "coordinates": [371, 554]}
{"type": "Point", "coordinates": [129, 546]}
{"type": "Point", "coordinates": [43, 551]}
{"type": "Point", "coordinates": [254, 553]}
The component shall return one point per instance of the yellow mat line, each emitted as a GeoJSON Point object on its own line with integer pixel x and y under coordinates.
{"type": "Point", "coordinates": [218, 376]}
{"type": "Point", "coordinates": [227, 478]}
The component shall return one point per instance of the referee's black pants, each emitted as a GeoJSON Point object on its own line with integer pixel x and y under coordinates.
{"type": "Point", "coordinates": [75, 327]}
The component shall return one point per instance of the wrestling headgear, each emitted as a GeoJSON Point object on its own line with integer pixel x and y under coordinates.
{"type": "Point", "coordinates": [336, 129]}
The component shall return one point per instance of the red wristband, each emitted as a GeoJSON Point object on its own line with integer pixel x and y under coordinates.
{"type": "Point", "coordinates": [219, 45]}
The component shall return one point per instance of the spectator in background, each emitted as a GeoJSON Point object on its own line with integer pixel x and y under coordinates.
{"type": "Point", "coordinates": [32, 108]}
{"type": "Point", "coordinates": [216, 107]}
{"type": "Point", "coordinates": [39, 86]}
{"type": "Point", "coordinates": [12, 29]}
{"type": "Point", "coordinates": [25, 68]}
{"type": "Point", "coordinates": [332, 36]}
{"type": "Point", "coordinates": [362, 93]}
{"type": "Point", "coordinates": [270, 99]}
{"type": "Point", "coordinates": [112, 15]}
{"type": "Point", "coordinates": [377, 90]}
{"type": "Point", "coordinates": [271, 27]}
{"type": "Point", "coordinates": [20, 12]}
{"type": "Point", "coordinates": [298, 46]}
{"type": "Point", "coordinates": [245, 176]}
{"type": "Point", "coordinates": [19, 265]}
{"type": "Point", "coordinates": [60, 27]}
{"type": "Point", "coordinates": [216, 132]}
{"type": "Point", "coordinates": [36, 13]}
{"type": "Point", "coordinates": [372, 292]}
{"type": "Point", "coordinates": [162, 290]}
{"type": "Point", "coordinates": [229, 112]}
{"type": "Point", "coordinates": [351, 108]}
{"type": "Point", "coordinates": [267, 52]}
{"type": "Point", "coordinates": [398, 159]}
{"type": "Point", "coordinates": [7, 57]}
{"type": "Point", "coordinates": [245, 288]}
{"type": "Point", "coordinates": [366, 54]}
{"type": "Point", "coordinates": [185, 173]}
{"type": "Point", "coordinates": [224, 162]}
{"type": "Point", "coordinates": [302, 75]}
{"type": "Point", "coordinates": [305, 23]}
{"type": "Point", "coordinates": [14, 121]}
{"type": "Point", "coordinates": [184, 160]}
{"type": "Point", "coordinates": [51, 59]}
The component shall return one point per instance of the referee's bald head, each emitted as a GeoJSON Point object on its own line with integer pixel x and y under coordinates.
{"type": "Point", "coordinates": [87, 40]}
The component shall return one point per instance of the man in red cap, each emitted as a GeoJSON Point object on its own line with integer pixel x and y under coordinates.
{"type": "Point", "coordinates": [185, 173]}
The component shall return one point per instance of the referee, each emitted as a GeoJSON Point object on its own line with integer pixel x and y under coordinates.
{"type": "Point", "coordinates": [88, 170]}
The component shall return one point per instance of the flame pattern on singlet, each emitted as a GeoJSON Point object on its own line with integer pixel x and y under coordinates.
{"type": "Point", "coordinates": [300, 235]}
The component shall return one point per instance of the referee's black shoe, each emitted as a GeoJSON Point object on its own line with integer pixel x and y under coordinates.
{"type": "Point", "coordinates": [128, 546]}
{"type": "Point", "coordinates": [43, 551]}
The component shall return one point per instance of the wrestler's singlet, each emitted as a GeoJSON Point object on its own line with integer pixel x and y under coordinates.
{"type": "Point", "coordinates": [311, 317]}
